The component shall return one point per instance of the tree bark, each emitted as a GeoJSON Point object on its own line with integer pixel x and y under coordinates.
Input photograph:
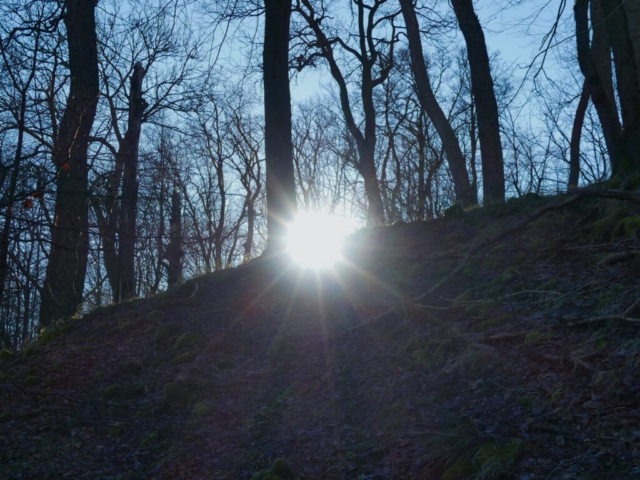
{"type": "Point", "coordinates": [129, 201]}
{"type": "Point", "coordinates": [174, 252]}
{"type": "Point", "coordinates": [465, 195]}
{"type": "Point", "coordinates": [281, 197]}
{"type": "Point", "coordinates": [486, 104]}
{"type": "Point", "coordinates": [628, 84]}
{"type": "Point", "coordinates": [603, 104]}
{"type": "Point", "coordinates": [576, 135]}
{"type": "Point", "coordinates": [632, 10]}
{"type": "Point", "coordinates": [67, 265]}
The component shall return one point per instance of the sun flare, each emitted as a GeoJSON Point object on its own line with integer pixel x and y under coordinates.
{"type": "Point", "coordinates": [316, 239]}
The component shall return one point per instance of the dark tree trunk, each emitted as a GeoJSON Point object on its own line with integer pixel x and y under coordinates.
{"type": "Point", "coordinates": [465, 195]}
{"type": "Point", "coordinates": [485, 99]}
{"type": "Point", "coordinates": [248, 243]}
{"type": "Point", "coordinates": [602, 102]}
{"type": "Point", "coordinates": [632, 10]}
{"type": "Point", "coordinates": [174, 252]}
{"type": "Point", "coordinates": [67, 265]}
{"type": "Point", "coordinates": [627, 84]}
{"type": "Point", "coordinates": [129, 202]}
{"type": "Point", "coordinates": [281, 197]}
{"type": "Point", "coordinates": [576, 135]}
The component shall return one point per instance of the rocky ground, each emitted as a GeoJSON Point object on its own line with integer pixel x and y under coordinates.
{"type": "Point", "coordinates": [496, 343]}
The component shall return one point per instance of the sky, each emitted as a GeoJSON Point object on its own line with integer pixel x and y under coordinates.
{"type": "Point", "coordinates": [515, 31]}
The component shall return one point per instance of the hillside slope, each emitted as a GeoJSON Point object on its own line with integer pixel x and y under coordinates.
{"type": "Point", "coordinates": [456, 348]}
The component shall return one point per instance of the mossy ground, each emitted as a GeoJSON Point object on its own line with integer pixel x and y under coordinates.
{"type": "Point", "coordinates": [522, 365]}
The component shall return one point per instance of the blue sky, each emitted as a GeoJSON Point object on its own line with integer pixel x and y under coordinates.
{"type": "Point", "coordinates": [515, 31]}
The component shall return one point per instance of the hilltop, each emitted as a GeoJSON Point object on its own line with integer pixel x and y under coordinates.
{"type": "Point", "coordinates": [500, 342]}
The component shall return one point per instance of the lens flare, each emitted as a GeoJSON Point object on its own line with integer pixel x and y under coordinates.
{"type": "Point", "coordinates": [316, 239]}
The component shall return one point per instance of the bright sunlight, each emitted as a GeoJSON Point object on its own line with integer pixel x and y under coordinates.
{"type": "Point", "coordinates": [316, 239]}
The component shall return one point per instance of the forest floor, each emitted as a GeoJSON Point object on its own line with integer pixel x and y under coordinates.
{"type": "Point", "coordinates": [497, 343]}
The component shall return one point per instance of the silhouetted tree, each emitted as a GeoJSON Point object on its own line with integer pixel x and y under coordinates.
{"type": "Point", "coordinates": [485, 102]}
{"type": "Point", "coordinates": [66, 269]}
{"type": "Point", "coordinates": [281, 195]}
{"type": "Point", "coordinates": [465, 194]}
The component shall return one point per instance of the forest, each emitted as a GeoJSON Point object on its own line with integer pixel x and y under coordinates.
{"type": "Point", "coordinates": [143, 143]}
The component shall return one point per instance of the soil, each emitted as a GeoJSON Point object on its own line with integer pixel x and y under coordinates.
{"type": "Point", "coordinates": [496, 343]}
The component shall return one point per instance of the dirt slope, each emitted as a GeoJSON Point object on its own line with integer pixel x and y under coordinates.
{"type": "Point", "coordinates": [522, 364]}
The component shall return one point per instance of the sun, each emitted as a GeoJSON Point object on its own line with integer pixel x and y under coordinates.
{"type": "Point", "coordinates": [315, 239]}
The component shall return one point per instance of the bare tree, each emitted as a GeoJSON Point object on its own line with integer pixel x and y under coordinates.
{"type": "Point", "coordinates": [374, 54]}
{"type": "Point", "coordinates": [281, 195]}
{"type": "Point", "coordinates": [66, 269]}
{"type": "Point", "coordinates": [485, 102]}
{"type": "Point", "coordinates": [465, 194]}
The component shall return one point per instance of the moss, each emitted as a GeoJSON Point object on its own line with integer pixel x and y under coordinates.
{"type": "Point", "coordinates": [121, 392]}
{"type": "Point", "coordinates": [625, 227]}
{"type": "Point", "coordinates": [52, 380]}
{"type": "Point", "coordinates": [57, 367]}
{"type": "Point", "coordinates": [185, 357]}
{"type": "Point", "coordinates": [500, 248]}
{"type": "Point", "coordinates": [602, 229]}
{"type": "Point", "coordinates": [482, 309]}
{"type": "Point", "coordinates": [494, 460]}
{"type": "Point", "coordinates": [150, 331]}
{"type": "Point", "coordinates": [116, 430]}
{"type": "Point", "coordinates": [614, 182]}
{"type": "Point", "coordinates": [177, 394]}
{"type": "Point", "coordinates": [427, 356]}
{"type": "Point", "coordinates": [165, 333]}
{"type": "Point", "coordinates": [29, 415]}
{"type": "Point", "coordinates": [5, 417]}
{"type": "Point", "coordinates": [462, 468]}
{"type": "Point", "coordinates": [601, 343]}
{"type": "Point", "coordinates": [30, 351]}
{"type": "Point", "coordinates": [189, 339]}
{"type": "Point", "coordinates": [150, 439]}
{"type": "Point", "coordinates": [537, 244]}
{"type": "Point", "coordinates": [532, 196]}
{"type": "Point", "coordinates": [509, 275]}
{"type": "Point", "coordinates": [125, 326]}
{"type": "Point", "coordinates": [634, 181]}
{"type": "Point", "coordinates": [48, 335]}
{"type": "Point", "coordinates": [200, 409]}
{"type": "Point", "coordinates": [32, 381]}
{"type": "Point", "coordinates": [282, 469]}
{"type": "Point", "coordinates": [146, 411]}
{"type": "Point", "coordinates": [279, 470]}
{"type": "Point", "coordinates": [463, 298]}
{"type": "Point", "coordinates": [537, 337]}
{"type": "Point", "coordinates": [6, 355]}
{"type": "Point", "coordinates": [454, 211]}
{"type": "Point", "coordinates": [494, 322]}
{"type": "Point", "coordinates": [225, 365]}
{"type": "Point", "coordinates": [156, 316]}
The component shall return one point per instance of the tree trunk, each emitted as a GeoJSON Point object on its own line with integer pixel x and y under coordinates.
{"type": "Point", "coordinates": [281, 195]}
{"type": "Point", "coordinates": [485, 99]}
{"type": "Point", "coordinates": [628, 84]}
{"type": "Point", "coordinates": [605, 108]}
{"type": "Point", "coordinates": [129, 201]}
{"type": "Point", "coordinates": [632, 10]}
{"type": "Point", "coordinates": [248, 243]}
{"type": "Point", "coordinates": [67, 265]}
{"type": "Point", "coordinates": [576, 135]}
{"type": "Point", "coordinates": [174, 252]}
{"type": "Point", "coordinates": [465, 195]}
